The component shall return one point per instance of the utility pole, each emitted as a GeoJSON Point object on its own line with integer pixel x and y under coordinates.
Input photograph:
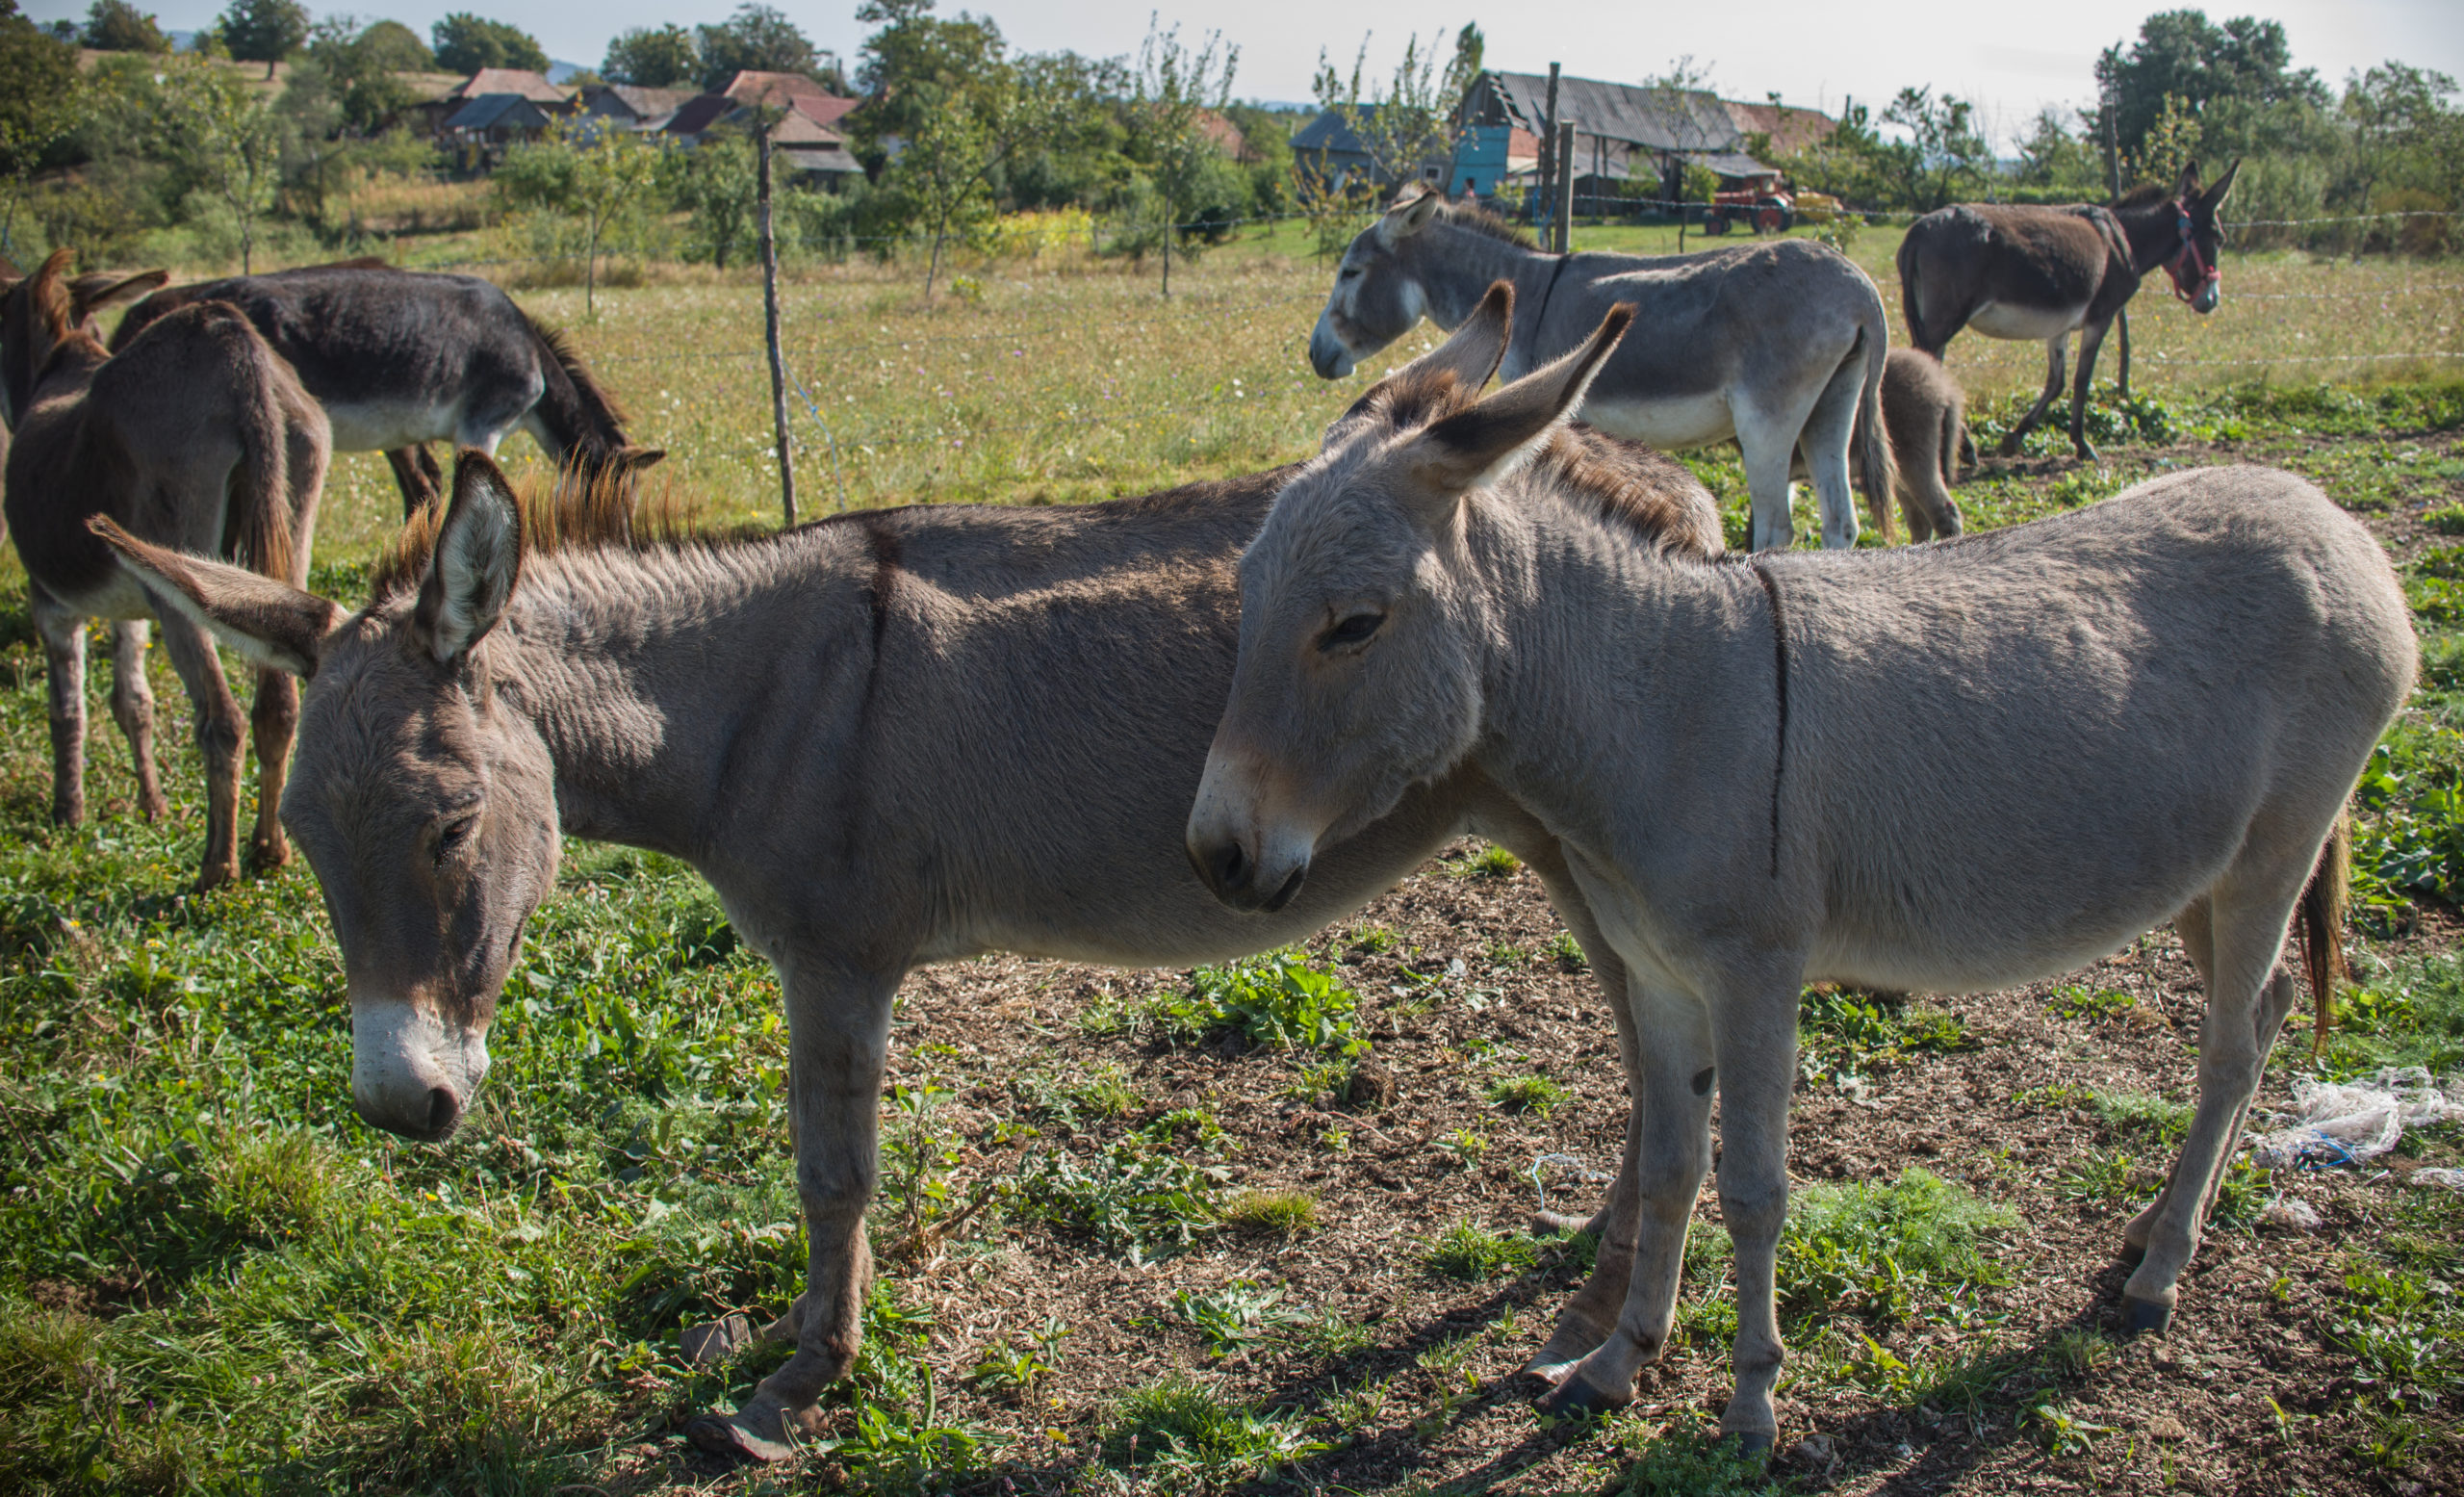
{"type": "Point", "coordinates": [762, 124]}
{"type": "Point", "coordinates": [1548, 150]}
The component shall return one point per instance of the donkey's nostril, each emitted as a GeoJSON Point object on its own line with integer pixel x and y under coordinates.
{"type": "Point", "coordinates": [444, 1110]}
{"type": "Point", "coordinates": [1231, 866]}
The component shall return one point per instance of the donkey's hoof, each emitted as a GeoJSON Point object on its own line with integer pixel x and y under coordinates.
{"type": "Point", "coordinates": [1559, 1222]}
{"type": "Point", "coordinates": [1577, 1397]}
{"type": "Point", "coordinates": [2144, 1317]}
{"type": "Point", "coordinates": [266, 857]}
{"type": "Point", "coordinates": [1753, 1442]}
{"type": "Point", "coordinates": [760, 1431]}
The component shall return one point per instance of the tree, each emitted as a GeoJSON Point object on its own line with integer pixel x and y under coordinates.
{"type": "Point", "coordinates": [665, 57]}
{"type": "Point", "coordinates": [2058, 163]}
{"type": "Point", "coordinates": [2241, 70]}
{"type": "Point", "coordinates": [1672, 94]}
{"type": "Point", "coordinates": [264, 31]}
{"type": "Point", "coordinates": [226, 141]}
{"type": "Point", "coordinates": [118, 26]}
{"type": "Point", "coordinates": [1179, 93]}
{"type": "Point", "coordinates": [941, 175]}
{"type": "Point", "coordinates": [1942, 150]}
{"type": "Point", "coordinates": [390, 47]}
{"type": "Point", "coordinates": [1400, 123]}
{"type": "Point", "coordinates": [2403, 150]}
{"type": "Point", "coordinates": [466, 42]}
{"type": "Point", "coordinates": [41, 93]}
{"type": "Point", "coordinates": [597, 182]}
{"type": "Point", "coordinates": [756, 39]}
{"type": "Point", "coordinates": [714, 184]}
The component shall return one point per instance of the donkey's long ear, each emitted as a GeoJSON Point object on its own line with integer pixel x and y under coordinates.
{"type": "Point", "coordinates": [99, 291]}
{"type": "Point", "coordinates": [476, 561]}
{"type": "Point", "coordinates": [1405, 219]}
{"type": "Point", "coordinates": [272, 623]}
{"type": "Point", "coordinates": [1473, 352]}
{"type": "Point", "coordinates": [1471, 449]}
{"type": "Point", "coordinates": [2214, 197]}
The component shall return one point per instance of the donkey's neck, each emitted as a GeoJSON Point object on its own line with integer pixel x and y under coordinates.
{"type": "Point", "coordinates": [639, 669]}
{"type": "Point", "coordinates": [2154, 231]}
{"type": "Point", "coordinates": [1457, 267]}
{"type": "Point", "coordinates": [1589, 611]}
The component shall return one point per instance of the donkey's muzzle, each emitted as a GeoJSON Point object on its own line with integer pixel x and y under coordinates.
{"type": "Point", "coordinates": [1233, 875]}
{"type": "Point", "coordinates": [427, 1117]}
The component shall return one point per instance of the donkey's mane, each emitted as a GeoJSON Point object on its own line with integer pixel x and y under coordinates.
{"type": "Point", "coordinates": [559, 345]}
{"type": "Point", "coordinates": [566, 513]}
{"type": "Point", "coordinates": [1481, 220]}
{"type": "Point", "coordinates": [2146, 194]}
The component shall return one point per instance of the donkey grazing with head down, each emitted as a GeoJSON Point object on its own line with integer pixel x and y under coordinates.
{"type": "Point", "coordinates": [2152, 708]}
{"type": "Point", "coordinates": [1779, 344]}
{"type": "Point", "coordinates": [2032, 273]}
{"type": "Point", "coordinates": [194, 436]}
{"type": "Point", "coordinates": [886, 739]}
{"type": "Point", "coordinates": [401, 359]}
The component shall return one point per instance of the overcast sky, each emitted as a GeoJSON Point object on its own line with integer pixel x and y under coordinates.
{"type": "Point", "coordinates": [2009, 59]}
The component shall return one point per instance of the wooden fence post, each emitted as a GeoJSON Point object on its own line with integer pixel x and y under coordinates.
{"type": "Point", "coordinates": [1564, 187]}
{"type": "Point", "coordinates": [770, 319]}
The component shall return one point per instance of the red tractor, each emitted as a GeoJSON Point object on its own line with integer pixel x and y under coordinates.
{"type": "Point", "coordinates": [1766, 211]}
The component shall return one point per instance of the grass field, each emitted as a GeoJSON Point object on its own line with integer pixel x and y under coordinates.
{"type": "Point", "coordinates": [1251, 1228]}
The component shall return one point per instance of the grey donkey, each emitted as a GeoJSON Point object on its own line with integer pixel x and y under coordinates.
{"type": "Point", "coordinates": [1779, 344]}
{"type": "Point", "coordinates": [885, 739]}
{"type": "Point", "coordinates": [2152, 708]}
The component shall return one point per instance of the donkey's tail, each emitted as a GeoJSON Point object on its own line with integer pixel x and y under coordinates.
{"type": "Point", "coordinates": [2320, 920]}
{"type": "Point", "coordinates": [258, 525]}
{"type": "Point", "coordinates": [577, 410]}
{"type": "Point", "coordinates": [1876, 470]}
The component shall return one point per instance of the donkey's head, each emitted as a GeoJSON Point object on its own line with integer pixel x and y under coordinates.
{"type": "Point", "coordinates": [426, 808]}
{"type": "Point", "coordinates": [2197, 278]}
{"type": "Point", "coordinates": [1365, 626]}
{"type": "Point", "coordinates": [1377, 297]}
{"type": "Point", "coordinates": [42, 311]}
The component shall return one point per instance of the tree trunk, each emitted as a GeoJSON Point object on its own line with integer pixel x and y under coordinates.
{"type": "Point", "coordinates": [590, 274]}
{"type": "Point", "coordinates": [1167, 245]}
{"type": "Point", "coordinates": [770, 325]}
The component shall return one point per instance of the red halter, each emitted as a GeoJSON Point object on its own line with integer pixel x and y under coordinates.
{"type": "Point", "coordinates": [2191, 270]}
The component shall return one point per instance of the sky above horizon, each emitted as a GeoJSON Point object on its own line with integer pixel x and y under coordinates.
{"type": "Point", "coordinates": [2010, 61]}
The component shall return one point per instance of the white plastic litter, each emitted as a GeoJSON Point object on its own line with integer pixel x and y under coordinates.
{"type": "Point", "coordinates": [2336, 1122]}
{"type": "Point", "coordinates": [2452, 1179]}
{"type": "Point", "coordinates": [2287, 1214]}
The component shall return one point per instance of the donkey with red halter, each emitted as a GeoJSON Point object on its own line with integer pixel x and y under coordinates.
{"type": "Point", "coordinates": [2040, 274]}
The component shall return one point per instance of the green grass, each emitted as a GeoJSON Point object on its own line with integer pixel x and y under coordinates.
{"type": "Point", "coordinates": [1536, 1094]}
{"type": "Point", "coordinates": [1272, 1213]}
{"type": "Point", "coordinates": [1473, 1253]}
{"type": "Point", "coordinates": [1181, 1428]}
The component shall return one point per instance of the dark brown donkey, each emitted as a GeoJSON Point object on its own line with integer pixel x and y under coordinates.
{"type": "Point", "coordinates": [401, 359]}
{"type": "Point", "coordinates": [2039, 273]}
{"type": "Point", "coordinates": [199, 435]}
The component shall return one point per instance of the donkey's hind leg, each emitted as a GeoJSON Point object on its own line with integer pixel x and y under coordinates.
{"type": "Point", "coordinates": [1823, 440]}
{"type": "Point", "coordinates": [64, 649]}
{"type": "Point", "coordinates": [272, 727]}
{"type": "Point", "coordinates": [2052, 387]}
{"type": "Point", "coordinates": [2196, 926]}
{"type": "Point", "coordinates": [1767, 443]}
{"type": "Point", "coordinates": [133, 709]}
{"type": "Point", "coordinates": [217, 740]}
{"type": "Point", "coordinates": [2247, 982]}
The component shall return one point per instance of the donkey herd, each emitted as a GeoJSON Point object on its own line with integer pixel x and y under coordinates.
{"type": "Point", "coordinates": [1199, 724]}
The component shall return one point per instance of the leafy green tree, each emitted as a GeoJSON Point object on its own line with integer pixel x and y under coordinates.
{"type": "Point", "coordinates": [662, 57]}
{"type": "Point", "coordinates": [40, 95]}
{"type": "Point", "coordinates": [940, 177]}
{"type": "Point", "coordinates": [264, 31]}
{"type": "Point", "coordinates": [118, 26]}
{"type": "Point", "coordinates": [393, 47]}
{"type": "Point", "coordinates": [1402, 123]}
{"type": "Point", "coordinates": [2056, 164]}
{"type": "Point", "coordinates": [715, 184]}
{"type": "Point", "coordinates": [1177, 91]}
{"type": "Point", "coordinates": [227, 141]}
{"type": "Point", "coordinates": [2242, 69]}
{"type": "Point", "coordinates": [1943, 152]}
{"type": "Point", "coordinates": [2403, 151]}
{"type": "Point", "coordinates": [757, 38]}
{"type": "Point", "coordinates": [597, 184]}
{"type": "Point", "coordinates": [466, 42]}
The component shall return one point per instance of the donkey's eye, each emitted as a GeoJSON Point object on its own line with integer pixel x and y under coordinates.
{"type": "Point", "coordinates": [456, 833]}
{"type": "Point", "coordinates": [1351, 631]}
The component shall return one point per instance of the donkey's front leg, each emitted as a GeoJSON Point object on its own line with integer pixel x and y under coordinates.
{"type": "Point", "coordinates": [133, 709]}
{"type": "Point", "coordinates": [2090, 339]}
{"type": "Point", "coordinates": [1758, 1051]}
{"type": "Point", "coordinates": [1671, 1074]}
{"type": "Point", "coordinates": [838, 1029]}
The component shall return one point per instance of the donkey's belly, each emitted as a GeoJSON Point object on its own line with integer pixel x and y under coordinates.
{"type": "Point", "coordinates": [2025, 325]}
{"type": "Point", "coordinates": [375, 426]}
{"type": "Point", "coordinates": [1668, 422]}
